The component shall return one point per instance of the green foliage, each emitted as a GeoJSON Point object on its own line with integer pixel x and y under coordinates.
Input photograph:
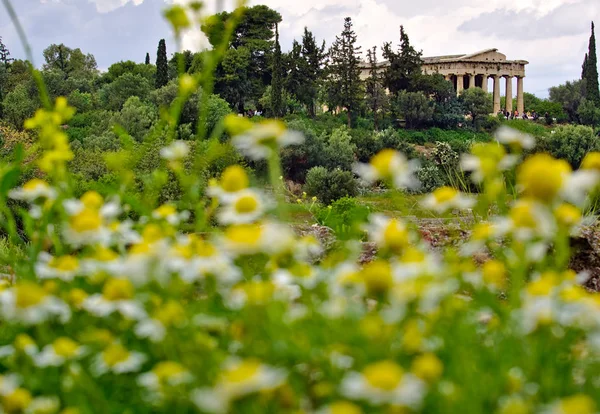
{"type": "Point", "coordinates": [569, 96]}
{"type": "Point", "coordinates": [118, 69]}
{"type": "Point", "coordinates": [18, 106]}
{"type": "Point", "coordinates": [69, 61]}
{"type": "Point", "coordinates": [345, 217]}
{"type": "Point", "coordinates": [338, 150]}
{"type": "Point", "coordinates": [571, 143]}
{"type": "Point", "coordinates": [82, 101]}
{"type": "Point", "coordinates": [404, 66]}
{"type": "Point", "coordinates": [431, 177]}
{"type": "Point", "coordinates": [414, 107]}
{"type": "Point", "coordinates": [115, 94]}
{"type": "Point", "coordinates": [88, 163]}
{"type": "Point", "coordinates": [376, 97]}
{"type": "Point", "coordinates": [343, 84]}
{"type": "Point", "coordinates": [329, 186]}
{"type": "Point", "coordinates": [477, 102]}
{"type": "Point", "coordinates": [296, 160]}
{"type": "Point", "coordinates": [589, 113]}
{"type": "Point", "coordinates": [590, 71]}
{"type": "Point", "coordinates": [277, 100]}
{"type": "Point", "coordinates": [162, 65]}
{"type": "Point", "coordinates": [136, 117]}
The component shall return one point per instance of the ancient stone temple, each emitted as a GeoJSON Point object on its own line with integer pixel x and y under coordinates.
{"type": "Point", "coordinates": [474, 70]}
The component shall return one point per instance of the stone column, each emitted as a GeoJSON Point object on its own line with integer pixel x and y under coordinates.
{"type": "Point", "coordinates": [471, 81]}
{"type": "Point", "coordinates": [496, 94]}
{"type": "Point", "coordinates": [484, 83]}
{"type": "Point", "coordinates": [509, 94]}
{"type": "Point", "coordinates": [520, 103]}
{"type": "Point", "coordinates": [459, 84]}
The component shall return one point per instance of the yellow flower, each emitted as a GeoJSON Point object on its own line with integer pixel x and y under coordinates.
{"type": "Point", "coordinates": [567, 214]}
{"type": "Point", "coordinates": [17, 401]}
{"type": "Point", "coordinates": [428, 367]}
{"type": "Point", "coordinates": [378, 277]}
{"type": "Point", "coordinates": [85, 221]}
{"type": "Point", "coordinates": [77, 297]}
{"type": "Point", "coordinates": [65, 347]}
{"type": "Point", "coordinates": [29, 294]}
{"type": "Point", "coordinates": [343, 407]}
{"type": "Point", "coordinates": [577, 404]}
{"type": "Point", "coordinates": [396, 236]}
{"type": "Point", "coordinates": [542, 177]}
{"type": "Point", "coordinates": [92, 200]}
{"type": "Point", "coordinates": [234, 179]}
{"type": "Point", "coordinates": [64, 263]}
{"type": "Point", "coordinates": [385, 375]}
{"type": "Point", "coordinates": [591, 161]}
{"type": "Point", "coordinates": [118, 289]}
{"type": "Point", "coordinates": [494, 274]}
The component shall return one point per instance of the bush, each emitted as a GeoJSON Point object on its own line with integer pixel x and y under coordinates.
{"type": "Point", "coordinates": [338, 151]}
{"type": "Point", "coordinates": [296, 160]}
{"type": "Point", "coordinates": [430, 176]}
{"type": "Point", "coordinates": [570, 143]}
{"type": "Point", "coordinates": [344, 216]}
{"type": "Point", "coordinates": [329, 186]}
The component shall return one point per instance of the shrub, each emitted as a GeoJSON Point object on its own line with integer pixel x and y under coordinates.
{"type": "Point", "coordinates": [344, 216]}
{"type": "Point", "coordinates": [430, 176]}
{"type": "Point", "coordinates": [329, 186]}
{"type": "Point", "coordinates": [570, 143]}
{"type": "Point", "coordinates": [338, 151]}
{"type": "Point", "coordinates": [296, 160]}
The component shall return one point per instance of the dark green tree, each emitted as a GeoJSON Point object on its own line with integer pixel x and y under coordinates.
{"type": "Point", "coordinates": [147, 58]}
{"type": "Point", "coordinates": [277, 79]}
{"type": "Point", "coordinates": [312, 70]}
{"type": "Point", "coordinates": [376, 95]}
{"type": "Point", "coordinates": [477, 103]}
{"type": "Point", "coordinates": [404, 65]}
{"type": "Point", "coordinates": [69, 61]}
{"type": "Point", "coordinates": [5, 61]}
{"type": "Point", "coordinates": [255, 33]}
{"type": "Point", "coordinates": [162, 65]}
{"type": "Point", "coordinates": [295, 83]}
{"type": "Point", "coordinates": [343, 85]}
{"type": "Point", "coordinates": [590, 72]}
{"type": "Point", "coordinates": [569, 96]}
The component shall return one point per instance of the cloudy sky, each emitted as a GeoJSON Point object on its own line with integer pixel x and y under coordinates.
{"type": "Point", "coordinates": [551, 34]}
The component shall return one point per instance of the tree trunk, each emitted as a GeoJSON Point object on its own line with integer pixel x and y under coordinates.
{"type": "Point", "coordinates": [349, 119]}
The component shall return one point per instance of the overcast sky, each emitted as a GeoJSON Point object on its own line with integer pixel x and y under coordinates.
{"type": "Point", "coordinates": [551, 34]}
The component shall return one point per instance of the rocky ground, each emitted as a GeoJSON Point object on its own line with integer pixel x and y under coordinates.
{"type": "Point", "coordinates": [441, 233]}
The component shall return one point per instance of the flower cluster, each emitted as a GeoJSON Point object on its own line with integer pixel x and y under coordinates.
{"type": "Point", "coordinates": [120, 306]}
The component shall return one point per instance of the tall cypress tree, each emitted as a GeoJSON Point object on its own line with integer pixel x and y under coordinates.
{"type": "Point", "coordinates": [590, 71]}
{"type": "Point", "coordinates": [147, 58]}
{"type": "Point", "coordinates": [376, 96]}
{"type": "Point", "coordinates": [314, 57]}
{"type": "Point", "coordinates": [344, 86]}
{"type": "Point", "coordinates": [162, 65]}
{"type": "Point", "coordinates": [277, 79]}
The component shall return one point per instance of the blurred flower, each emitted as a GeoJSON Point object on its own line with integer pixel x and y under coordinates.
{"type": "Point", "coordinates": [57, 353]}
{"type": "Point", "coordinates": [238, 378]}
{"type": "Point", "coordinates": [33, 190]}
{"type": "Point", "coordinates": [30, 304]}
{"type": "Point", "coordinates": [264, 138]}
{"type": "Point", "coordinates": [515, 139]}
{"type": "Point", "coordinates": [447, 198]}
{"type": "Point", "coordinates": [384, 382]}
{"type": "Point", "coordinates": [118, 360]}
{"type": "Point", "coordinates": [246, 206]}
{"type": "Point", "coordinates": [389, 165]}
{"type": "Point", "coordinates": [175, 152]}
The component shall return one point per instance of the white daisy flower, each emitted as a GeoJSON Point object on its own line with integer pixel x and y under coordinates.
{"type": "Point", "coordinates": [447, 198]}
{"type": "Point", "coordinates": [487, 160]}
{"type": "Point", "coordinates": [86, 227]}
{"type": "Point", "coordinates": [233, 180]}
{"type": "Point", "coordinates": [255, 238]}
{"type": "Point", "coordinates": [33, 190]}
{"type": "Point", "coordinates": [117, 296]}
{"type": "Point", "coordinates": [579, 185]}
{"type": "Point", "coordinates": [238, 378]}
{"type": "Point", "coordinates": [514, 138]}
{"type": "Point", "coordinates": [176, 151]}
{"type": "Point", "coordinates": [43, 405]}
{"type": "Point", "coordinates": [151, 329]}
{"type": "Point", "coordinates": [247, 206]}
{"type": "Point", "coordinates": [60, 351]}
{"type": "Point", "coordinates": [389, 234]}
{"type": "Point", "coordinates": [527, 220]}
{"type": "Point", "coordinates": [169, 213]}
{"type": "Point", "coordinates": [64, 267]}
{"type": "Point", "coordinates": [118, 360]}
{"type": "Point", "coordinates": [382, 383]}
{"type": "Point", "coordinates": [9, 383]}
{"type": "Point", "coordinates": [165, 374]}
{"type": "Point", "coordinates": [262, 139]}
{"type": "Point", "coordinates": [30, 304]}
{"type": "Point", "coordinates": [390, 165]}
